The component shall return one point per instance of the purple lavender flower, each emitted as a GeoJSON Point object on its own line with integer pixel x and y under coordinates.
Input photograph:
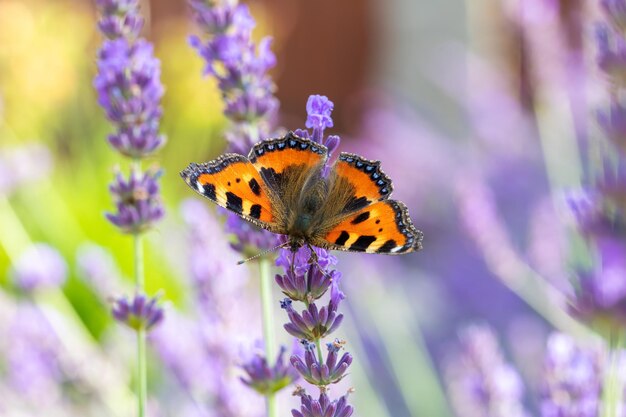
{"type": "Point", "coordinates": [480, 382]}
{"type": "Point", "coordinates": [40, 266]}
{"type": "Point", "coordinates": [319, 109]}
{"type": "Point", "coordinates": [308, 276]}
{"type": "Point", "coordinates": [611, 54]}
{"type": "Point", "coordinates": [139, 312]}
{"type": "Point", "coordinates": [120, 18]}
{"type": "Point", "coordinates": [313, 323]}
{"type": "Point", "coordinates": [137, 200]}
{"type": "Point", "coordinates": [572, 379]}
{"type": "Point", "coordinates": [323, 406]}
{"type": "Point", "coordinates": [615, 10]}
{"type": "Point", "coordinates": [322, 374]}
{"type": "Point", "coordinates": [600, 300]}
{"type": "Point", "coordinates": [265, 379]}
{"type": "Point", "coordinates": [249, 239]}
{"type": "Point", "coordinates": [240, 68]}
{"type": "Point", "coordinates": [129, 89]}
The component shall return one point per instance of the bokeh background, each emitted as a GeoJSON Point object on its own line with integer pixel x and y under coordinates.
{"type": "Point", "coordinates": [476, 109]}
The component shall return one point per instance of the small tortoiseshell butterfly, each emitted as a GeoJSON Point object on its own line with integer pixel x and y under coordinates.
{"type": "Point", "coordinates": [281, 187]}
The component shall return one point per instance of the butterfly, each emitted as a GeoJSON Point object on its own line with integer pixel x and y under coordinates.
{"type": "Point", "coordinates": [282, 186]}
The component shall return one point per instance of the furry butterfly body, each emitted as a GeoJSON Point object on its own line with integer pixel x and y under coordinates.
{"type": "Point", "coordinates": [283, 186]}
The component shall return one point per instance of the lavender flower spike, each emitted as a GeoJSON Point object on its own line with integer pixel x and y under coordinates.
{"type": "Point", "coordinates": [137, 201]}
{"type": "Point", "coordinates": [265, 379]}
{"type": "Point", "coordinates": [120, 18]}
{"type": "Point", "coordinates": [322, 374]}
{"type": "Point", "coordinates": [139, 313]}
{"type": "Point", "coordinates": [240, 68]}
{"type": "Point", "coordinates": [129, 90]}
{"type": "Point", "coordinates": [318, 109]}
{"type": "Point", "coordinates": [323, 406]}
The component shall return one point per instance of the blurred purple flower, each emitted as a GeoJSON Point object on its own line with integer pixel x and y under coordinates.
{"type": "Point", "coordinates": [33, 367]}
{"type": "Point", "coordinates": [137, 200]}
{"type": "Point", "coordinates": [611, 53]}
{"type": "Point", "coordinates": [249, 239]}
{"type": "Point", "coordinates": [240, 68]}
{"type": "Point", "coordinates": [572, 379]}
{"type": "Point", "coordinates": [322, 374]}
{"type": "Point", "coordinates": [119, 18]}
{"type": "Point", "coordinates": [40, 266]}
{"type": "Point", "coordinates": [480, 382]}
{"type": "Point", "coordinates": [600, 298]}
{"type": "Point", "coordinates": [97, 267]}
{"type": "Point", "coordinates": [22, 165]}
{"type": "Point", "coordinates": [201, 351]}
{"type": "Point", "coordinates": [615, 10]}
{"type": "Point", "coordinates": [129, 89]}
{"type": "Point", "coordinates": [613, 122]}
{"type": "Point", "coordinates": [139, 312]}
{"type": "Point", "coordinates": [265, 379]}
{"type": "Point", "coordinates": [323, 406]}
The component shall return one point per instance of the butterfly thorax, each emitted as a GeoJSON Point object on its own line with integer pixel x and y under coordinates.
{"type": "Point", "coordinates": [305, 218]}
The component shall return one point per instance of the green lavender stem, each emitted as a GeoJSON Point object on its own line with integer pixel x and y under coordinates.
{"type": "Point", "coordinates": [268, 325]}
{"type": "Point", "coordinates": [612, 389]}
{"type": "Point", "coordinates": [142, 391]}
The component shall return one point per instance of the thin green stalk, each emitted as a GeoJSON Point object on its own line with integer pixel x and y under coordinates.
{"type": "Point", "coordinates": [142, 391]}
{"type": "Point", "coordinates": [612, 389]}
{"type": "Point", "coordinates": [318, 344]}
{"type": "Point", "coordinates": [142, 384]}
{"type": "Point", "coordinates": [138, 254]}
{"type": "Point", "coordinates": [268, 325]}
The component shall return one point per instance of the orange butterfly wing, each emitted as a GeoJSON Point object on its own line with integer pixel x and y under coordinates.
{"type": "Point", "coordinates": [233, 182]}
{"type": "Point", "coordinates": [381, 227]}
{"type": "Point", "coordinates": [287, 162]}
{"type": "Point", "coordinates": [369, 221]}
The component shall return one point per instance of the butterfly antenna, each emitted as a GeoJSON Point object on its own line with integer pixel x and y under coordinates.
{"type": "Point", "coordinates": [265, 252]}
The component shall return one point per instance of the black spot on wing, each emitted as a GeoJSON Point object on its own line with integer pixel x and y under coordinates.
{"type": "Point", "coordinates": [254, 186]}
{"type": "Point", "coordinates": [234, 202]}
{"type": "Point", "coordinates": [355, 204]}
{"type": "Point", "coordinates": [209, 191]}
{"type": "Point", "coordinates": [362, 243]}
{"type": "Point", "coordinates": [361, 217]}
{"type": "Point", "coordinates": [343, 238]}
{"type": "Point", "coordinates": [255, 211]}
{"type": "Point", "coordinates": [387, 246]}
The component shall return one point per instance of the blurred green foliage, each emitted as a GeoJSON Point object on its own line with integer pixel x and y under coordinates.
{"type": "Point", "coordinates": [47, 64]}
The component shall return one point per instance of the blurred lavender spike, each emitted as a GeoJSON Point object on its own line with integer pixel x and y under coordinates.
{"type": "Point", "coordinates": [480, 382]}
{"type": "Point", "coordinates": [246, 87]}
{"type": "Point", "coordinates": [137, 200]}
{"type": "Point", "coordinates": [267, 379]}
{"type": "Point", "coordinates": [40, 266]}
{"type": "Point", "coordinates": [572, 379]}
